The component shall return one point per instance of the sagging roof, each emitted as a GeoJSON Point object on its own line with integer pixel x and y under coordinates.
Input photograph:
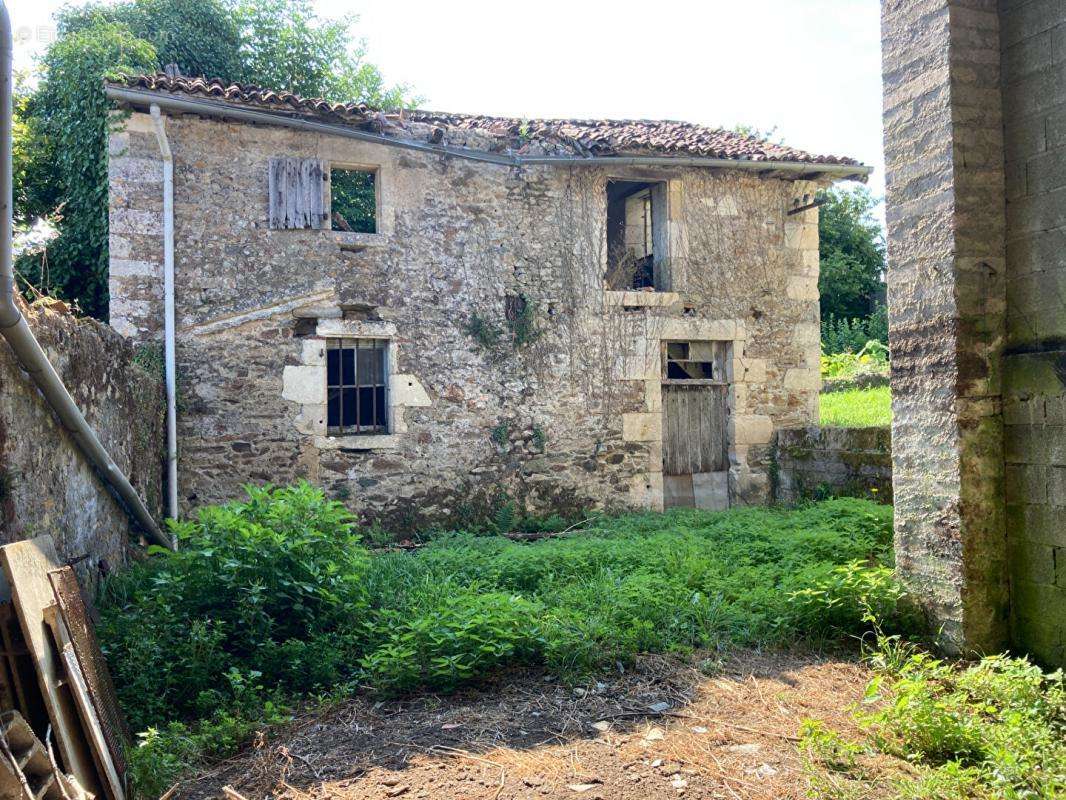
{"type": "Point", "coordinates": [516, 136]}
{"type": "Point", "coordinates": [610, 137]}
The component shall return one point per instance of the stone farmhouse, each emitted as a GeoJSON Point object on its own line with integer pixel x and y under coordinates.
{"type": "Point", "coordinates": [429, 314]}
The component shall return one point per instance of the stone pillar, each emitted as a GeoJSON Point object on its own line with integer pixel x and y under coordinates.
{"type": "Point", "coordinates": [946, 220]}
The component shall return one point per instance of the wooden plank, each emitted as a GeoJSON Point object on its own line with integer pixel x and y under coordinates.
{"type": "Point", "coordinates": [21, 670]}
{"type": "Point", "coordinates": [26, 565]}
{"type": "Point", "coordinates": [694, 428]}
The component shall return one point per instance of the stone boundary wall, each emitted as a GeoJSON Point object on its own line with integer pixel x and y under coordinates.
{"type": "Point", "coordinates": [815, 462]}
{"type": "Point", "coordinates": [46, 484]}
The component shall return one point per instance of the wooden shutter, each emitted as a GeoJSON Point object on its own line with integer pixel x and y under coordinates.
{"type": "Point", "coordinates": [298, 193]}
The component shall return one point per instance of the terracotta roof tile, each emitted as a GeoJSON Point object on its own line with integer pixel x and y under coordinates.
{"type": "Point", "coordinates": [603, 137]}
{"type": "Point", "coordinates": [243, 93]}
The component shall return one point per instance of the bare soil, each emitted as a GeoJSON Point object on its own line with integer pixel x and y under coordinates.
{"type": "Point", "coordinates": [666, 727]}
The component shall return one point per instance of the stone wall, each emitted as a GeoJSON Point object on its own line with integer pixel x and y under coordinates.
{"type": "Point", "coordinates": [571, 419]}
{"type": "Point", "coordinates": [46, 484]}
{"type": "Point", "coordinates": [816, 462]}
{"type": "Point", "coordinates": [1033, 38]}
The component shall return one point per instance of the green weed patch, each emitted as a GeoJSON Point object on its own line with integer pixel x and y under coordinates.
{"type": "Point", "coordinates": [995, 728]}
{"type": "Point", "coordinates": [274, 599]}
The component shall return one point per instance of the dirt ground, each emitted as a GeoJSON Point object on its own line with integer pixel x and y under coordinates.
{"type": "Point", "coordinates": [664, 728]}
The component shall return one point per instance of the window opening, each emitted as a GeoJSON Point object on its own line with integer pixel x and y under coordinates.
{"type": "Point", "coordinates": [634, 238]}
{"type": "Point", "coordinates": [694, 361]}
{"type": "Point", "coordinates": [356, 384]}
{"type": "Point", "coordinates": [353, 201]}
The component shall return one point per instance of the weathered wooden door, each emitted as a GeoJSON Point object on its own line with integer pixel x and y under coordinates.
{"type": "Point", "coordinates": [695, 447]}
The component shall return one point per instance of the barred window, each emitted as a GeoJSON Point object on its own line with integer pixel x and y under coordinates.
{"type": "Point", "coordinates": [356, 383]}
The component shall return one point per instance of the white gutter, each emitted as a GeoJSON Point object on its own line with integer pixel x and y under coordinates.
{"type": "Point", "coordinates": [16, 331]}
{"type": "Point", "coordinates": [212, 108]}
{"type": "Point", "coordinates": [168, 311]}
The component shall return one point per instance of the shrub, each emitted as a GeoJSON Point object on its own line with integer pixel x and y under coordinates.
{"type": "Point", "coordinates": [849, 335]}
{"type": "Point", "coordinates": [266, 587]}
{"type": "Point", "coordinates": [871, 358]}
{"type": "Point", "coordinates": [997, 723]}
{"type": "Point", "coordinates": [843, 597]}
{"type": "Point", "coordinates": [446, 635]}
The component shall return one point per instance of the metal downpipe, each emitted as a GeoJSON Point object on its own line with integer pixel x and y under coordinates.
{"type": "Point", "coordinates": [169, 344]}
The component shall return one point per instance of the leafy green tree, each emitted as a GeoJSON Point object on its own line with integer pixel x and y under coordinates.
{"type": "Point", "coordinates": [61, 129]}
{"type": "Point", "coordinates": [286, 46]}
{"type": "Point", "coordinates": [70, 115]}
{"type": "Point", "coordinates": [201, 36]}
{"type": "Point", "coordinates": [852, 255]}
{"type": "Point", "coordinates": [35, 194]}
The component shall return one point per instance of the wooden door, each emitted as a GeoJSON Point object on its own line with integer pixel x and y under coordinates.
{"type": "Point", "coordinates": [695, 447]}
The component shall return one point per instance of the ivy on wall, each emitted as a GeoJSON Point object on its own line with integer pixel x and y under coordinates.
{"type": "Point", "coordinates": [61, 127]}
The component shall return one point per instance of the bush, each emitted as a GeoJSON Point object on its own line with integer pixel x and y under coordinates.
{"type": "Point", "coordinates": [872, 357]}
{"type": "Point", "coordinates": [998, 722]}
{"type": "Point", "coordinates": [266, 588]}
{"type": "Point", "coordinates": [850, 335]}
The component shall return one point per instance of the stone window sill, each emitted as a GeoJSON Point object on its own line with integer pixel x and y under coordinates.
{"type": "Point", "coordinates": [642, 299]}
{"type": "Point", "coordinates": [347, 240]}
{"type": "Point", "coordinates": [383, 441]}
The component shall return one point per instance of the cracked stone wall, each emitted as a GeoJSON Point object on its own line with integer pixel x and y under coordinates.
{"type": "Point", "coordinates": [46, 484]}
{"type": "Point", "coordinates": [568, 421]}
{"type": "Point", "coordinates": [974, 110]}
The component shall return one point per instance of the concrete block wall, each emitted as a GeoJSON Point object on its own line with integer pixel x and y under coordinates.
{"type": "Point", "coordinates": [944, 160]}
{"type": "Point", "coordinates": [1033, 41]}
{"type": "Point", "coordinates": [975, 143]}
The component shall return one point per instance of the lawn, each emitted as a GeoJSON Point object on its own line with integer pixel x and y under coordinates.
{"type": "Point", "coordinates": [274, 604]}
{"type": "Point", "coordinates": [856, 408]}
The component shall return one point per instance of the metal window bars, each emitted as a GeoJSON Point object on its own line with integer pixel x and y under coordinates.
{"type": "Point", "coordinates": [357, 386]}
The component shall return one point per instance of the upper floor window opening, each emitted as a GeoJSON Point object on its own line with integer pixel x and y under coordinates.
{"type": "Point", "coordinates": [636, 235]}
{"type": "Point", "coordinates": [353, 202]}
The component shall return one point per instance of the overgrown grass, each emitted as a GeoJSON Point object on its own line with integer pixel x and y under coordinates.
{"type": "Point", "coordinates": [274, 599]}
{"type": "Point", "coordinates": [856, 408]}
{"type": "Point", "coordinates": [995, 728]}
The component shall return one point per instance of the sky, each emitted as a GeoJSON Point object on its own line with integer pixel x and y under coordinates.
{"type": "Point", "coordinates": [810, 69]}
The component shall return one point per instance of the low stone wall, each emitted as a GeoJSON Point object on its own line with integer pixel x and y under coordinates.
{"type": "Point", "coordinates": [818, 462]}
{"type": "Point", "coordinates": [46, 484]}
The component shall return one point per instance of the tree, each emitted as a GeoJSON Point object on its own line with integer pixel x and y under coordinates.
{"type": "Point", "coordinates": [61, 129]}
{"type": "Point", "coordinates": [69, 114]}
{"type": "Point", "coordinates": [852, 277]}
